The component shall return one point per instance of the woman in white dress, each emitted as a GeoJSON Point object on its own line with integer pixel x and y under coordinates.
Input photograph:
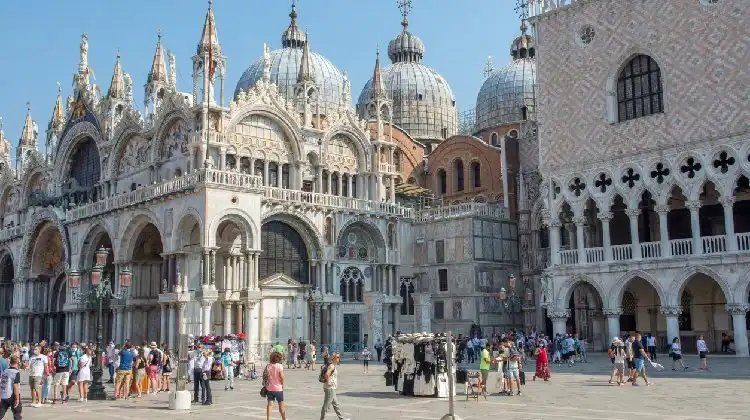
{"type": "Point", "coordinates": [84, 375]}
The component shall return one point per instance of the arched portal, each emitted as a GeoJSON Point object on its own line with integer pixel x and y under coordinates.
{"type": "Point", "coordinates": [640, 302]}
{"type": "Point", "coordinates": [47, 263]}
{"type": "Point", "coordinates": [283, 251]}
{"type": "Point", "coordinates": [585, 305]}
{"type": "Point", "coordinates": [703, 302]}
{"type": "Point", "coordinates": [148, 269]}
{"type": "Point", "coordinates": [7, 272]}
{"type": "Point", "coordinates": [58, 316]}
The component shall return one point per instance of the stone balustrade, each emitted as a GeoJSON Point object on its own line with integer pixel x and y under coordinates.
{"type": "Point", "coordinates": [460, 210]}
{"type": "Point", "coordinates": [709, 245]}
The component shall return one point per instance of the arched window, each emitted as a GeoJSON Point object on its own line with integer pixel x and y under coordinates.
{"type": "Point", "coordinates": [627, 319]}
{"type": "Point", "coordinates": [86, 168]}
{"type": "Point", "coordinates": [442, 182]}
{"type": "Point", "coordinates": [352, 285]}
{"type": "Point", "coordinates": [407, 300]}
{"type": "Point", "coordinates": [476, 175]}
{"type": "Point", "coordinates": [639, 89]}
{"type": "Point", "coordinates": [458, 169]}
{"type": "Point", "coordinates": [397, 160]}
{"type": "Point", "coordinates": [493, 139]}
{"type": "Point", "coordinates": [284, 251]}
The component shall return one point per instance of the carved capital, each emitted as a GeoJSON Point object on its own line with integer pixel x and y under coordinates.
{"type": "Point", "coordinates": [605, 216]}
{"type": "Point", "coordinates": [662, 209]}
{"type": "Point", "coordinates": [612, 312]}
{"type": "Point", "coordinates": [633, 212]}
{"type": "Point", "coordinates": [738, 309]}
{"type": "Point", "coordinates": [559, 314]}
{"type": "Point", "coordinates": [579, 220]}
{"type": "Point", "coordinates": [693, 205]}
{"type": "Point", "coordinates": [671, 310]}
{"type": "Point", "coordinates": [727, 201]}
{"type": "Point", "coordinates": [206, 303]}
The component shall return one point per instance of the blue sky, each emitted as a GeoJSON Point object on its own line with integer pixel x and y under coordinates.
{"type": "Point", "coordinates": [42, 38]}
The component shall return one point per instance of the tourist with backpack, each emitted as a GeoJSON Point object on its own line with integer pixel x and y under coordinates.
{"type": "Point", "coordinates": [273, 384]}
{"type": "Point", "coordinates": [329, 377]}
{"type": "Point", "coordinates": [154, 360]}
{"type": "Point", "coordinates": [62, 374]}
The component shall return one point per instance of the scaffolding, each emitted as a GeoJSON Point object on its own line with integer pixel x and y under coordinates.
{"type": "Point", "coordinates": [467, 123]}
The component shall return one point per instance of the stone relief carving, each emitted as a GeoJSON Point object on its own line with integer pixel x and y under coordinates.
{"type": "Point", "coordinates": [175, 141]}
{"type": "Point", "coordinates": [168, 221]}
{"type": "Point", "coordinates": [135, 155]}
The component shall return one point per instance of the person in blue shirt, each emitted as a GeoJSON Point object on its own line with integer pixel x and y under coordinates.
{"type": "Point", "coordinates": [124, 372]}
{"type": "Point", "coordinates": [4, 364]}
{"type": "Point", "coordinates": [228, 364]}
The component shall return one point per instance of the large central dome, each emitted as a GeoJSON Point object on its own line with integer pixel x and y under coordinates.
{"type": "Point", "coordinates": [285, 67]}
{"type": "Point", "coordinates": [423, 102]}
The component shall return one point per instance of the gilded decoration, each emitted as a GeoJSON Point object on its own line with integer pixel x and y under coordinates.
{"type": "Point", "coordinates": [52, 248]}
{"type": "Point", "coordinates": [135, 154]}
{"type": "Point", "coordinates": [175, 141]}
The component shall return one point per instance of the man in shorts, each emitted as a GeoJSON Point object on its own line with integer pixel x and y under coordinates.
{"type": "Point", "coordinates": [639, 360]}
{"type": "Point", "coordinates": [514, 369]}
{"type": "Point", "coordinates": [62, 374]}
{"type": "Point", "coordinates": [484, 367]}
{"type": "Point", "coordinates": [154, 360]}
{"type": "Point", "coordinates": [37, 366]}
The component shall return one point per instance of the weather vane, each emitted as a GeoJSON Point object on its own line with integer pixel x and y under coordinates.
{"type": "Point", "coordinates": [405, 7]}
{"type": "Point", "coordinates": [488, 67]}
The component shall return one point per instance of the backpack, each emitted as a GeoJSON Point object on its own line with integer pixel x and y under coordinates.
{"type": "Point", "coordinates": [63, 359]}
{"type": "Point", "coordinates": [156, 357]}
{"type": "Point", "coordinates": [322, 376]}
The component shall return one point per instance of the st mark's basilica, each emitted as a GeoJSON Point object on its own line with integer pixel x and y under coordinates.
{"type": "Point", "coordinates": [598, 186]}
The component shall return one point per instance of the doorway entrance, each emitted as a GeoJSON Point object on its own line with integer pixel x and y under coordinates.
{"type": "Point", "coordinates": [351, 332]}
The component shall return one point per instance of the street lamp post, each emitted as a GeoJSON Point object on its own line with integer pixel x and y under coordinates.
{"type": "Point", "coordinates": [512, 299]}
{"type": "Point", "coordinates": [101, 290]}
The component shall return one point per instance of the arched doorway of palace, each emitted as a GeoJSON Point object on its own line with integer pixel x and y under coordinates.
{"type": "Point", "coordinates": [586, 320]}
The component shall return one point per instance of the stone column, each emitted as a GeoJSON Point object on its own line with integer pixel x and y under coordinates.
{"type": "Point", "coordinates": [212, 264]}
{"type": "Point", "coordinates": [663, 211]}
{"type": "Point", "coordinates": [172, 326]}
{"type": "Point", "coordinates": [554, 240]}
{"type": "Point", "coordinates": [395, 282]}
{"type": "Point", "coordinates": [349, 192]}
{"type": "Point", "coordinates": [634, 238]}
{"type": "Point", "coordinates": [580, 221]}
{"type": "Point", "coordinates": [673, 326]}
{"type": "Point", "coordinates": [241, 282]}
{"type": "Point", "coordinates": [599, 340]}
{"type": "Point", "coordinates": [163, 330]}
{"type": "Point", "coordinates": [266, 181]}
{"type": "Point", "coordinates": [128, 323]}
{"type": "Point", "coordinates": [181, 319]}
{"type": "Point", "coordinates": [206, 317]}
{"type": "Point", "coordinates": [559, 319]}
{"type": "Point", "coordinates": [613, 321]}
{"type": "Point", "coordinates": [205, 267]}
{"type": "Point", "coordinates": [695, 225]}
{"type": "Point", "coordinates": [222, 159]}
{"type": "Point", "coordinates": [227, 321]}
{"type": "Point", "coordinates": [318, 337]}
{"type": "Point", "coordinates": [605, 217]}
{"type": "Point", "coordinates": [396, 316]}
{"type": "Point", "coordinates": [728, 204]}
{"type": "Point", "coordinates": [238, 318]}
{"type": "Point", "coordinates": [119, 325]}
{"type": "Point", "coordinates": [251, 339]}
{"type": "Point", "coordinates": [738, 312]}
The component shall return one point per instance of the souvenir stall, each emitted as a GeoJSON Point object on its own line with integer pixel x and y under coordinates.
{"type": "Point", "coordinates": [419, 364]}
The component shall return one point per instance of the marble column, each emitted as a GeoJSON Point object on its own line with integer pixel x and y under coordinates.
{"type": "Point", "coordinates": [172, 326]}
{"type": "Point", "coordinates": [251, 339]}
{"type": "Point", "coordinates": [613, 321]}
{"type": "Point", "coordinates": [673, 326]}
{"type": "Point", "coordinates": [128, 323]}
{"type": "Point", "coordinates": [239, 327]}
{"type": "Point", "coordinates": [739, 326]}
{"type": "Point", "coordinates": [635, 243]}
{"type": "Point", "coordinates": [119, 324]}
{"type": "Point", "coordinates": [317, 317]}
{"type": "Point", "coordinates": [205, 267]}
{"type": "Point", "coordinates": [727, 204]}
{"type": "Point", "coordinates": [212, 271]}
{"type": "Point", "coordinates": [605, 217]}
{"type": "Point", "coordinates": [663, 211]}
{"type": "Point", "coordinates": [559, 320]}
{"type": "Point", "coordinates": [554, 235]}
{"type": "Point", "coordinates": [695, 225]}
{"type": "Point", "coordinates": [163, 329]}
{"type": "Point", "coordinates": [396, 316]}
{"type": "Point", "coordinates": [227, 319]}
{"type": "Point", "coordinates": [206, 317]}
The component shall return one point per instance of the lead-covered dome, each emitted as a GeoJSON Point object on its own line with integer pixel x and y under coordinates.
{"type": "Point", "coordinates": [509, 93]}
{"type": "Point", "coordinates": [423, 102]}
{"type": "Point", "coordinates": [285, 66]}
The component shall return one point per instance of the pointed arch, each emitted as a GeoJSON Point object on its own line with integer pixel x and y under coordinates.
{"type": "Point", "coordinates": [681, 281]}
{"type": "Point", "coordinates": [621, 285]}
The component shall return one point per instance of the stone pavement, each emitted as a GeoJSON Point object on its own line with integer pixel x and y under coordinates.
{"type": "Point", "coordinates": [579, 392]}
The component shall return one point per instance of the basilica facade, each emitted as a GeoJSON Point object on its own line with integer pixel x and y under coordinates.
{"type": "Point", "coordinates": [285, 212]}
{"type": "Point", "coordinates": [644, 155]}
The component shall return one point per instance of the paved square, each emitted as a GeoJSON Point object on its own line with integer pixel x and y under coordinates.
{"type": "Point", "coordinates": [580, 392]}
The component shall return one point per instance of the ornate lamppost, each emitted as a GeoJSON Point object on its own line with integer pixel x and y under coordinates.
{"type": "Point", "coordinates": [512, 299]}
{"type": "Point", "coordinates": [101, 290]}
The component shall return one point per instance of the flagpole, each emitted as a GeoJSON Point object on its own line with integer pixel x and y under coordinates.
{"type": "Point", "coordinates": [210, 68]}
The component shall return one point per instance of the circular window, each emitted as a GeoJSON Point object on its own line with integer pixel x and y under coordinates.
{"type": "Point", "coordinates": [363, 253]}
{"type": "Point", "coordinates": [586, 34]}
{"type": "Point", "coordinates": [235, 200]}
{"type": "Point", "coordinates": [352, 238]}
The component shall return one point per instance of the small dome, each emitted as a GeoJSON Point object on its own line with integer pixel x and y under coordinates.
{"type": "Point", "coordinates": [507, 95]}
{"type": "Point", "coordinates": [523, 47]}
{"type": "Point", "coordinates": [423, 102]}
{"type": "Point", "coordinates": [406, 47]}
{"type": "Point", "coordinates": [285, 64]}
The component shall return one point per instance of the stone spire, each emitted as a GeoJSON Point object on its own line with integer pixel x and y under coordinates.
{"type": "Point", "coordinates": [28, 135]}
{"type": "Point", "coordinates": [306, 73]}
{"type": "Point", "coordinates": [117, 87]}
{"type": "Point", "coordinates": [58, 113]}
{"type": "Point", "coordinates": [4, 146]}
{"type": "Point", "coordinates": [378, 90]}
{"type": "Point", "coordinates": [158, 67]}
{"type": "Point", "coordinates": [209, 38]}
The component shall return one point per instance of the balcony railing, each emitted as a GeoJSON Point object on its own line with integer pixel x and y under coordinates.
{"type": "Point", "coordinates": [333, 201]}
{"type": "Point", "coordinates": [460, 210]}
{"type": "Point", "coordinates": [541, 7]}
{"type": "Point", "coordinates": [386, 167]}
{"type": "Point", "coordinates": [709, 245]}
{"type": "Point", "coordinates": [10, 233]}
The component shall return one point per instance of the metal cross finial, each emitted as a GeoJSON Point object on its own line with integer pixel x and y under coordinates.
{"type": "Point", "coordinates": [28, 106]}
{"type": "Point", "coordinates": [59, 88]}
{"type": "Point", "coordinates": [488, 67]}
{"type": "Point", "coordinates": [522, 8]}
{"type": "Point", "coordinates": [405, 7]}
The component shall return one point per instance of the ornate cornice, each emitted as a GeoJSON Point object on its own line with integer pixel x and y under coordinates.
{"type": "Point", "coordinates": [738, 308]}
{"type": "Point", "coordinates": [612, 312]}
{"type": "Point", "coordinates": [671, 310]}
{"type": "Point", "coordinates": [559, 314]}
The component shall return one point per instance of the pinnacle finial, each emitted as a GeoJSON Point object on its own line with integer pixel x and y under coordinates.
{"type": "Point", "coordinates": [59, 88]}
{"type": "Point", "coordinates": [488, 67]}
{"type": "Point", "coordinates": [293, 13]}
{"type": "Point", "coordinates": [28, 107]}
{"type": "Point", "coordinates": [405, 7]}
